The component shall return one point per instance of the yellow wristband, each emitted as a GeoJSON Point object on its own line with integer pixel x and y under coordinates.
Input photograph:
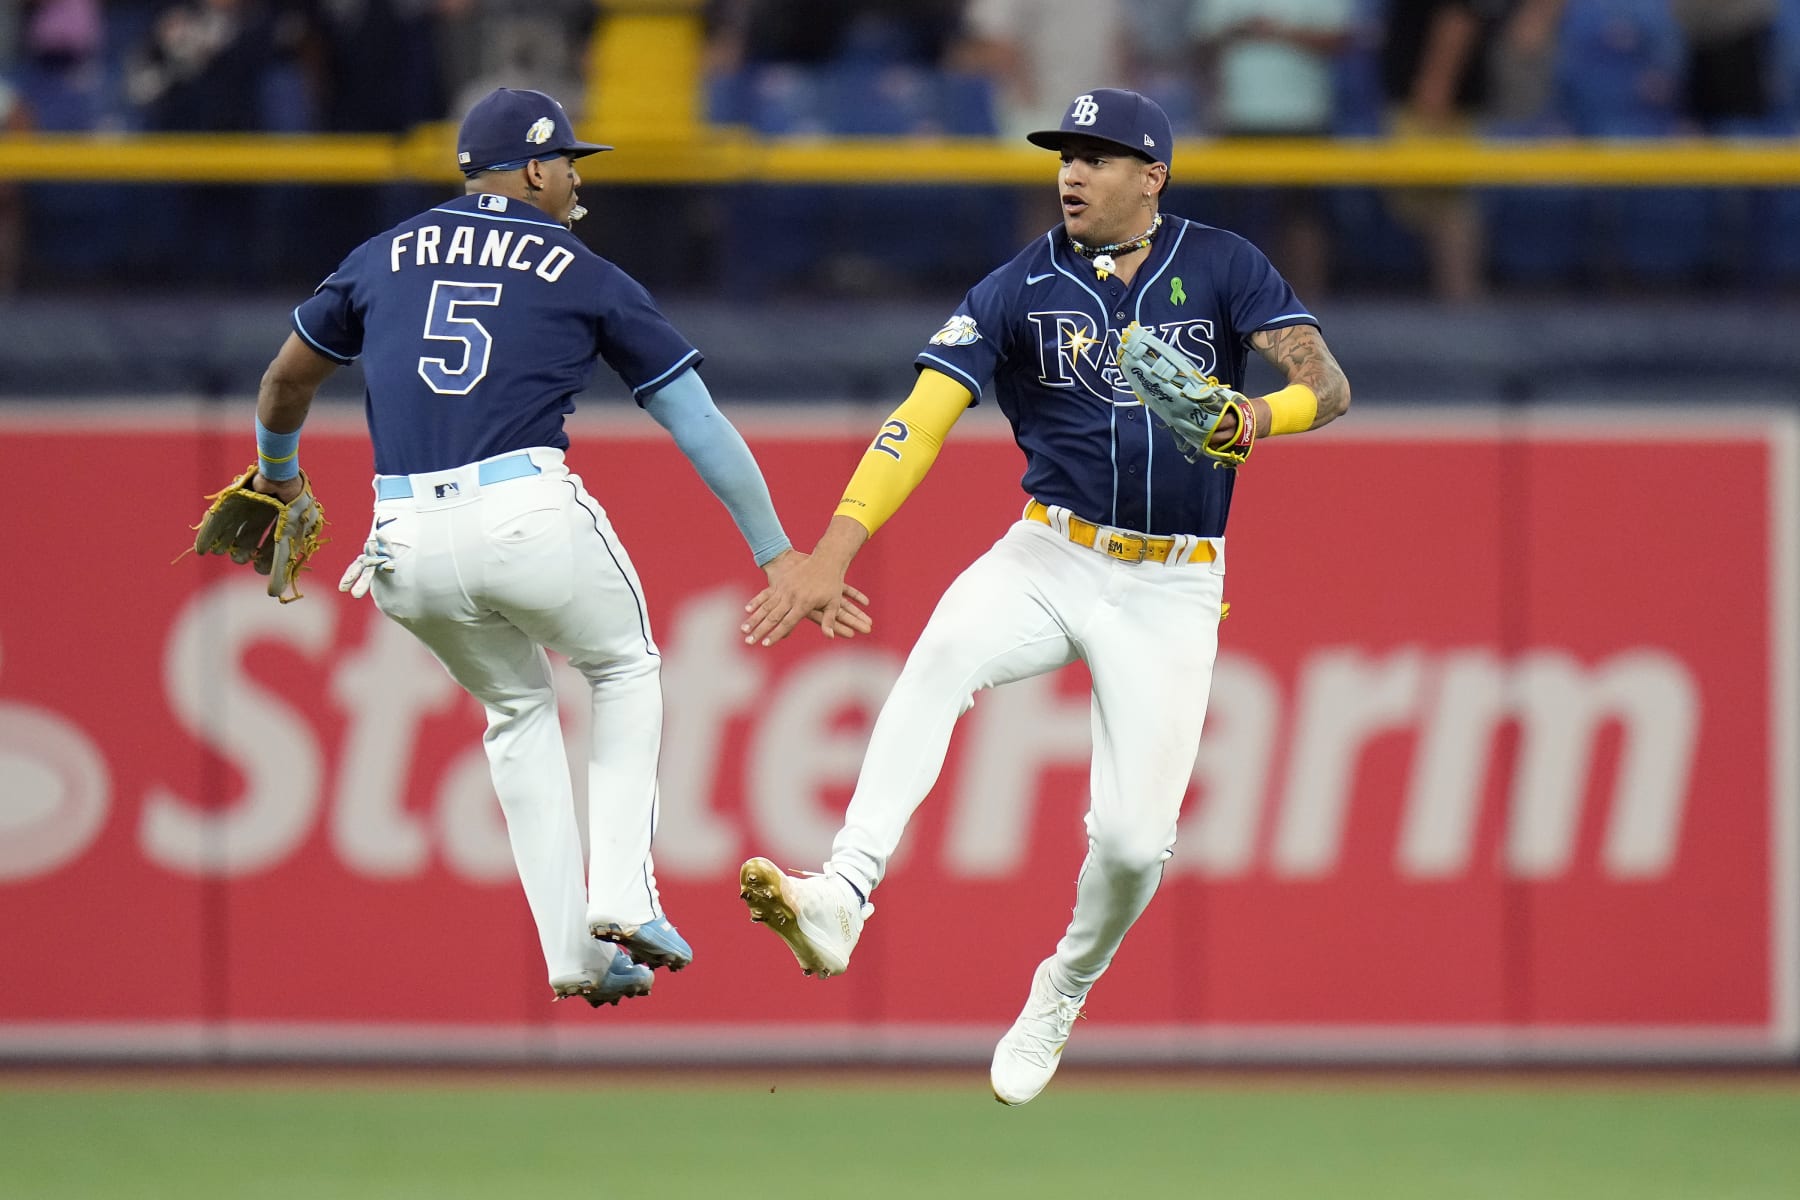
{"type": "Point", "coordinates": [1291, 410]}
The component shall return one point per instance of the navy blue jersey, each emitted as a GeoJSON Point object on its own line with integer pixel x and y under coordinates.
{"type": "Point", "coordinates": [478, 322]}
{"type": "Point", "coordinates": [1045, 331]}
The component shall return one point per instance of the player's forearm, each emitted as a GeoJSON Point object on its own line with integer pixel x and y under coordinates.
{"type": "Point", "coordinates": [718, 454]}
{"type": "Point", "coordinates": [843, 538]}
{"type": "Point", "coordinates": [282, 404]}
{"type": "Point", "coordinates": [897, 460]}
{"type": "Point", "coordinates": [289, 384]}
{"type": "Point", "coordinates": [283, 399]}
{"type": "Point", "coordinates": [1300, 354]}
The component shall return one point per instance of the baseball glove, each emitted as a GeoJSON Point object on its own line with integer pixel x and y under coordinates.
{"type": "Point", "coordinates": [273, 537]}
{"type": "Point", "coordinates": [1192, 405]}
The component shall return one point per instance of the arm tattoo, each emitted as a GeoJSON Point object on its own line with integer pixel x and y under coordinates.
{"type": "Point", "coordinates": [1299, 353]}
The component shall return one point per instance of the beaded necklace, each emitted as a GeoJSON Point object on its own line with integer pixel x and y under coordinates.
{"type": "Point", "coordinates": [1102, 256]}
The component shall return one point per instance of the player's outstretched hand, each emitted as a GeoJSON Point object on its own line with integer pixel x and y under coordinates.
{"type": "Point", "coordinates": [804, 587]}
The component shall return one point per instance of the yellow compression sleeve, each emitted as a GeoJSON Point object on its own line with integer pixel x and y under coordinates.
{"type": "Point", "coordinates": [904, 450]}
{"type": "Point", "coordinates": [1291, 410]}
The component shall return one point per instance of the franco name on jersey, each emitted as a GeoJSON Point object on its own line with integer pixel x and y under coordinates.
{"type": "Point", "coordinates": [426, 246]}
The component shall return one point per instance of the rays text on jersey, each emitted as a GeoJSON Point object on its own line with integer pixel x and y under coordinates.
{"type": "Point", "coordinates": [1071, 352]}
{"type": "Point", "coordinates": [426, 246]}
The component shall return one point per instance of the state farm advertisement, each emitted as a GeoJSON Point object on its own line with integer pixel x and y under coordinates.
{"type": "Point", "coordinates": [1499, 761]}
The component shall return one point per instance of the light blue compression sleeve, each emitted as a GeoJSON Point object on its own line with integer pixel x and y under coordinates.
{"type": "Point", "coordinates": [713, 445]}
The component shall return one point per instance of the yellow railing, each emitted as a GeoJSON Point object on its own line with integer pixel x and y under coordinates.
{"type": "Point", "coordinates": [717, 156]}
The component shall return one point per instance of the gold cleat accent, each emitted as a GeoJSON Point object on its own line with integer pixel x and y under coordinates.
{"type": "Point", "coordinates": [764, 889]}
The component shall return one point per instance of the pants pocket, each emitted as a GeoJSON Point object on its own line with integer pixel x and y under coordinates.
{"type": "Point", "coordinates": [531, 563]}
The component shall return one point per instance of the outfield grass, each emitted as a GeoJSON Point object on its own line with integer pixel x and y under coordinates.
{"type": "Point", "coordinates": [863, 1137]}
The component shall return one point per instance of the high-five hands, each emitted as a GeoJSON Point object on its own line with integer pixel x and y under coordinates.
{"type": "Point", "coordinates": [804, 586]}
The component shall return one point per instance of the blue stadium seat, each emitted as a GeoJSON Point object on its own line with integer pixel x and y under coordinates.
{"type": "Point", "coordinates": [1661, 235]}
{"type": "Point", "coordinates": [1360, 102]}
{"type": "Point", "coordinates": [1619, 68]}
{"type": "Point", "coordinates": [1619, 76]}
{"type": "Point", "coordinates": [727, 98]}
{"type": "Point", "coordinates": [1175, 93]}
{"type": "Point", "coordinates": [782, 237]}
{"type": "Point", "coordinates": [862, 100]}
{"type": "Point", "coordinates": [59, 100]}
{"type": "Point", "coordinates": [785, 99]}
{"type": "Point", "coordinates": [1787, 61]}
{"type": "Point", "coordinates": [1772, 236]}
{"type": "Point", "coordinates": [966, 105]}
{"type": "Point", "coordinates": [1535, 235]}
{"type": "Point", "coordinates": [1370, 250]}
{"type": "Point", "coordinates": [286, 100]}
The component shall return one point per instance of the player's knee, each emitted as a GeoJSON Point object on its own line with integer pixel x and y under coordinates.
{"type": "Point", "coordinates": [644, 669]}
{"type": "Point", "coordinates": [936, 672]}
{"type": "Point", "coordinates": [1124, 851]}
{"type": "Point", "coordinates": [519, 707]}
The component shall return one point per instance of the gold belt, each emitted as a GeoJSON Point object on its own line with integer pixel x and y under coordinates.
{"type": "Point", "coordinates": [1120, 543]}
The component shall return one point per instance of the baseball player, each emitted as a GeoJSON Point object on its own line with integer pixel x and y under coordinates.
{"type": "Point", "coordinates": [477, 322]}
{"type": "Point", "coordinates": [1118, 558]}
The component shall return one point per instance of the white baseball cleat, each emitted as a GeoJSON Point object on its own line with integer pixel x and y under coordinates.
{"type": "Point", "coordinates": [1028, 1055]}
{"type": "Point", "coordinates": [818, 916]}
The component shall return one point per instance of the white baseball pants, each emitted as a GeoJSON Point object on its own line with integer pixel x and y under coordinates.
{"type": "Point", "coordinates": [489, 574]}
{"type": "Point", "coordinates": [1036, 601]}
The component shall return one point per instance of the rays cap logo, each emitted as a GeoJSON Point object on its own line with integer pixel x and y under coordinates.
{"type": "Point", "coordinates": [509, 127]}
{"type": "Point", "coordinates": [1133, 122]}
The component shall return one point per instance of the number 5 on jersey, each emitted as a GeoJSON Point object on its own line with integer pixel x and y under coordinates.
{"type": "Point", "coordinates": [443, 323]}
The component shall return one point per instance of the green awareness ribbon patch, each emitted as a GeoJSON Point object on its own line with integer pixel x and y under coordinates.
{"type": "Point", "coordinates": [1176, 295]}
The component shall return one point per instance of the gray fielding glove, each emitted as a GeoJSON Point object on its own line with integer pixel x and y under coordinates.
{"type": "Point", "coordinates": [1192, 405]}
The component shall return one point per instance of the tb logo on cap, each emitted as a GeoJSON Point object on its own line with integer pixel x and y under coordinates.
{"type": "Point", "coordinates": [1085, 110]}
{"type": "Point", "coordinates": [540, 131]}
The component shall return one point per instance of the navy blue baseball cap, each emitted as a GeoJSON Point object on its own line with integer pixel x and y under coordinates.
{"type": "Point", "coordinates": [509, 127]}
{"type": "Point", "coordinates": [1127, 119]}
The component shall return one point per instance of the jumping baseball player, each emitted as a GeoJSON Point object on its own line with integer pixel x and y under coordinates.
{"type": "Point", "coordinates": [1118, 559]}
{"type": "Point", "coordinates": [478, 322]}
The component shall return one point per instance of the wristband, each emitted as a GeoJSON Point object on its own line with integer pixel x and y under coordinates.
{"type": "Point", "coordinates": [277, 454]}
{"type": "Point", "coordinates": [1291, 410]}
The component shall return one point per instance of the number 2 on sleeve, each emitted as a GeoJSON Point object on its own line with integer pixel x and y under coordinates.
{"type": "Point", "coordinates": [891, 435]}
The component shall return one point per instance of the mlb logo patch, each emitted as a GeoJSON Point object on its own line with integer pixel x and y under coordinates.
{"type": "Point", "coordinates": [446, 490]}
{"type": "Point", "coordinates": [491, 203]}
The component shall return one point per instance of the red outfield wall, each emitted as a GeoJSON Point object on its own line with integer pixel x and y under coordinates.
{"type": "Point", "coordinates": [1499, 762]}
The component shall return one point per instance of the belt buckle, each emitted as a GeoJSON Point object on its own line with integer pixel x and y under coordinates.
{"type": "Point", "coordinates": [1118, 545]}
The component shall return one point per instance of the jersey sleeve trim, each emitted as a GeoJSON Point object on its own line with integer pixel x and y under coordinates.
{"type": "Point", "coordinates": [645, 391]}
{"type": "Point", "coordinates": [1284, 321]}
{"type": "Point", "coordinates": [955, 372]}
{"type": "Point", "coordinates": [310, 340]}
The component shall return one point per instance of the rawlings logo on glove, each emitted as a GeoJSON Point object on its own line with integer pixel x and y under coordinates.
{"type": "Point", "coordinates": [1192, 405]}
{"type": "Point", "coordinates": [274, 538]}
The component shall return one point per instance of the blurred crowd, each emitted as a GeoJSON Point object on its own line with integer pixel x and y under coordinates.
{"type": "Point", "coordinates": [1243, 68]}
